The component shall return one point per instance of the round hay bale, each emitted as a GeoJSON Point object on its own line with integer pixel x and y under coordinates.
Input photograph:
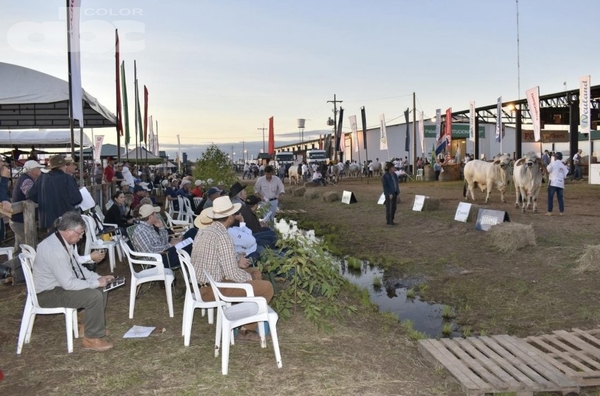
{"type": "Point", "coordinates": [312, 193]}
{"type": "Point", "coordinates": [310, 184]}
{"type": "Point", "coordinates": [298, 192]}
{"type": "Point", "coordinates": [331, 196]}
{"type": "Point", "coordinates": [589, 260]}
{"type": "Point", "coordinates": [510, 237]}
{"type": "Point", "coordinates": [431, 204]}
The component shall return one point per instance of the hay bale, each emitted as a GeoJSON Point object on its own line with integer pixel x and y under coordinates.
{"type": "Point", "coordinates": [310, 184]}
{"type": "Point", "coordinates": [589, 260]}
{"type": "Point", "coordinates": [510, 237]}
{"type": "Point", "coordinates": [298, 192]}
{"type": "Point", "coordinates": [331, 196]}
{"type": "Point", "coordinates": [312, 193]}
{"type": "Point", "coordinates": [431, 204]}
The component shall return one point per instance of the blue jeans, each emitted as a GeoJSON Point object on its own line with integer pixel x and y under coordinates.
{"type": "Point", "coordinates": [559, 195]}
{"type": "Point", "coordinates": [577, 172]}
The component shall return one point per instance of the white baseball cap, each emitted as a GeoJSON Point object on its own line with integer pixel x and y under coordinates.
{"type": "Point", "coordinates": [31, 164]}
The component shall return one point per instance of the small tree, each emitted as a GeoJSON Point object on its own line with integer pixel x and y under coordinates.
{"type": "Point", "coordinates": [215, 165]}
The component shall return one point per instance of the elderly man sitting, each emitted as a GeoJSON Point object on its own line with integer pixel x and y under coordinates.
{"type": "Point", "coordinates": [61, 280]}
{"type": "Point", "coordinates": [214, 252]}
{"type": "Point", "coordinates": [151, 236]}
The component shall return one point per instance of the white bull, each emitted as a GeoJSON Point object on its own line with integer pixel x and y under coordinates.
{"type": "Point", "coordinates": [528, 180]}
{"type": "Point", "coordinates": [376, 166]}
{"type": "Point", "coordinates": [486, 175]}
{"type": "Point", "coordinates": [354, 170]}
{"type": "Point", "coordinates": [293, 174]}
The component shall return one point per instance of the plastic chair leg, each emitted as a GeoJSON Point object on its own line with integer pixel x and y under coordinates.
{"type": "Point", "coordinates": [111, 257]}
{"type": "Point", "coordinates": [225, 350]}
{"type": "Point", "coordinates": [273, 328]}
{"type": "Point", "coordinates": [69, 326]}
{"type": "Point", "coordinates": [25, 322]}
{"type": "Point", "coordinates": [169, 292]}
{"type": "Point", "coordinates": [132, 294]}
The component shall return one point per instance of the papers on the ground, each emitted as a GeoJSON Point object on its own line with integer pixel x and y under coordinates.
{"type": "Point", "coordinates": [139, 332]}
{"type": "Point", "coordinates": [419, 202]}
{"type": "Point", "coordinates": [184, 243]}
{"type": "Point", "coordinates": [88, 202]}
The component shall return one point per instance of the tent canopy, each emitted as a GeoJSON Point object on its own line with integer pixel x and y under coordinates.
{"type": "Point", "coordinates": [32, 99]}
{"type": "Point", "coordinates": [108, 150]}
{"type": "Point", "coordinates": [142, 156]}
{"type": "Point", "coordinates": [43, 139]}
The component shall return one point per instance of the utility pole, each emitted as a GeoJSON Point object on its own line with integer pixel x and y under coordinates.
{"type": "Point", "coordinates": [263, 131]}
{"type": "Point", "coordinates": [335, 146]}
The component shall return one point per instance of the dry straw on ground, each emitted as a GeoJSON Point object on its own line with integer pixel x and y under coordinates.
{"type": "Point", "coordinates": [310, 184]}
{"type": "Point", "coordinates": [510, 237]}
{"type": "Point", "coordinates": [431, 203]}
{"type": "Point", "coordinates": [312, 193]}
{"type": "Point", "coordinates": [299, 192]}
{"type": "Point", "coordinates": [589, 260]}
{"type": "Point", "coordinates": [331, 196]}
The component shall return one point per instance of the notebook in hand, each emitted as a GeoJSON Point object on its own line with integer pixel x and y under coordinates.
{"type": "Point", "coordinates": [114, 284]}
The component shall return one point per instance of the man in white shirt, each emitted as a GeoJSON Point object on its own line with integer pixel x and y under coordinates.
{"type": "Point", "coordinates": [270, 189]}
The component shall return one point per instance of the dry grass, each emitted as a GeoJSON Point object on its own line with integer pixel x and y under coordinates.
{"type": "Point", "coordinates": [312, 193]}
{"type": "Point", "coordinates": [510, 237]}
{"type": "Point", "coordinates": [331, 196]}
{"type": "Point", "coordinates": [589, 260]}
{"type": "Point", "coordinates": [431, 204]}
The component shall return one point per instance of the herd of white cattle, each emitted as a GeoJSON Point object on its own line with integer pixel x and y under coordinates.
{"type": "Point", "coordinates": [527, 171]}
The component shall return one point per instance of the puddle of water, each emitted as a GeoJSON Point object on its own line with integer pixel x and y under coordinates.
{"type": "Point", "coordinates": [390, 296]}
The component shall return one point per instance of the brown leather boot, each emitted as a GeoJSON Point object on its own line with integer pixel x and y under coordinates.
{"type": "Point", "coordinates": [96, 344]}
{"type": "Point", "coordinates": [82, 331]}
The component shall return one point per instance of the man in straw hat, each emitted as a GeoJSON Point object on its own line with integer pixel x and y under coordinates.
{"type": "Point", "coordinates": [214, 252]}
{"type": "Point", "coordinates": [55, 192]}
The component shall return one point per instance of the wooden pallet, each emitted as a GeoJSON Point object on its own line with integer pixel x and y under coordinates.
{"type": "Point", "coordinates": [497, 364]}
{"type": "Point", "coordinates": [575, 353]}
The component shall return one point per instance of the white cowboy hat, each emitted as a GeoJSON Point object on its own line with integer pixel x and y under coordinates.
{"type": "Point", "coordinates": [222, 207]}
{"type": "Point", "coordinates": [204, 220]}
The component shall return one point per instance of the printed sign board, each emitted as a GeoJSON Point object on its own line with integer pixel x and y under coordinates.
{"type": "Point", "coordinates": [486, 218]}
{"type": "Point", "coordinates": [381, 200]}
{"type": "Point", "coordinates": [419, 202]}
{"type": "Point", "coordinates": [462, 212]}
{"type": "Point", "coordinates": [348, 197]}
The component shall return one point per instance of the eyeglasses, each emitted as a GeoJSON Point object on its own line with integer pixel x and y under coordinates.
{"type": "Point", "coordinates": [77, 232]}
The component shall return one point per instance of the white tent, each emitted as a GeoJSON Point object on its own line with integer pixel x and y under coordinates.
{"type": "Point", "coordinates": [167, 165]}
{"type": "Point", "coordinates": [32, 99]}
{"type": "Point", "coordinates": [42, 139]}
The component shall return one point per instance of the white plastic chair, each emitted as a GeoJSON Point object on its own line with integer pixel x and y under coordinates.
{"type": "Point", "coordinates": [193, 299]}
{"type": "Point", "coordinates": [246, 310]}
{"type": "Point", "coordinates": [32, 308]}
{"type": "Point", "coordinates": [100, 216]}
{"type": "Point", "coordinates": [189, 214]}
{"type": "Point", "coordinates": [419, 174]}
{"type": "Point", "coordinates": [197, 201]}
{"type": "Point", "coordinates": [9, 251]}
{"type": "Point", "coordinates": [156, 272]}
{"type": "Point", "coordinates": [92, 241]}
{"type": "Point", "coordinates": [177, 226]}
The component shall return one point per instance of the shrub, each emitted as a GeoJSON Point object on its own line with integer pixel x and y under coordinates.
{"type": "Point", "coordinates": [215, 165]}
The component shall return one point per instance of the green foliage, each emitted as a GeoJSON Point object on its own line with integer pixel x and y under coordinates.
{"type": "Point", "coordinates": [377, 282]}
{"type": "Point", "coordinates": [413, 334]}
{"type": "Point", "coordinates": [448, 312]}
{"type": "Point", "coordinates": [313, 281]}
{"type": "Point", "coordinates": [447, 329]}
{"type": "Point", "coordinates": [411, 293]}
{"type": "Point", "coordinates": [354, 263]}
{"type": "Point", "coordinates": [215, 165]}
{"type": "Point", "coordinates": [467, 331]}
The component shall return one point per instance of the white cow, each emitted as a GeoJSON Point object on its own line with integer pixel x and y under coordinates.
{"type": "Point", "coordinates": [376, 166]}
{"type": "Point", "coordinates": [354, 170]}
{"type": "Point", "coordinates": [486, 175]}
{"type": "Point", "coordinates": [527, 175]}
{"type": "Point", "coordinates": [293, 174]}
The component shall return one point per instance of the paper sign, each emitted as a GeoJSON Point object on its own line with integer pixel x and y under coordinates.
{"type": "Point", "coordinates": [381, 199]}
{"type": "Point", "coordinates": [348, 197]}
{"type": "Point", "coordinates": [139, 332]}
{"type": "Point", "coordinates": [486, 218]}
{"type": "Point", "coordinates": [462, 212]}
{"type": "Point", "coordinates": [419, 202]}
{"type": "Point", "coordinates": [87, 202]}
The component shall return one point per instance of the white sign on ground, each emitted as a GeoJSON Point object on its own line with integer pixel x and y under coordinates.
{"type": "Point", "coordinates": [462, 212]}
{"type": "Point", "coordinates": [381, 199]}
{"type": "Point", "coordinates": [419, 202]}
{"type": "Point", "coordinates": [348, 197]}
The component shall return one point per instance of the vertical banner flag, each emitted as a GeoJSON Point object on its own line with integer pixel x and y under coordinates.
{"type": "Point", "coordinates": [74, 16]}
{"type": "Point", "coordinates": [382, 133]}
{"type": "Point", "coordinates": [407, 139]}
{"type": "Point", "coordinates": [448, 132]}
{"type": "Point", "coordinates": [125, 105]}
{"type": "Point", "coordinates": [146, 115]}
{"type": "Point", "coordinates": [98, 147]}
{"type": "Point", "coordinates": [533, 102]}
{"type": "Point", "coordinates": [271, 137]}
{"type": "Point", "coordinates": [441, 139]}
{"type": "Point", "coordinates": [156, 149]}
{"type": "Point", "coordinates": [499, 120]}
{"type": "Point", "coordinates": [422, 132]}
{"type": "Point", "coordinates": [150, 136]}
{"type": "Point", "coordinates": [354, 129]}
{"type": "Point", "coordinates": [118, 87]}
{"type": "Point", "coordinates": [341, 135]}
{"type": "Point", "coordinates": [179, 153]}
{"type": "Point", "coordinates": [363, 117]}
{"type": "Point", "coordinates": [472, 121]}
{"type": "Point", "coordinates": [584, 105]}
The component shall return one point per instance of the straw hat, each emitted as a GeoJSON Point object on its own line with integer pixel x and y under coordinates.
{"type": "Point", "coordinates": [222, 207]}
{"type": "Point", "coordinates": [204, 220]}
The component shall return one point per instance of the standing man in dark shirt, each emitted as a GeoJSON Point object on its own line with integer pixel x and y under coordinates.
{"type": "Point", "coordinates": [109, 170]}
{"type": "Point", "coordinates": [55, 192]}
{"type": "Point", "coordinates": [391, 191]}
{"type": "Point", "coordinates": [31, 172]}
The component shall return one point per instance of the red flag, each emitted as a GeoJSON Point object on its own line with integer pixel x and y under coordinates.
{"type": "Point", "coordinates": [449, 128]}
{"type": "Point", "coordinates": [118, 80]}
{"type": "Point", "coordinates": [271, 137]}
{"type": "Point", "coordinates": [146, 115]}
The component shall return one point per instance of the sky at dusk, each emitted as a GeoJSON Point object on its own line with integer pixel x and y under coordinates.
{"type": "Point", "coordinates": [217, 70]}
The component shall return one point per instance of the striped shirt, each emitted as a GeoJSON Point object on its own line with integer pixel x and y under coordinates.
{"type": "Point", "coordinates": [215, 253]}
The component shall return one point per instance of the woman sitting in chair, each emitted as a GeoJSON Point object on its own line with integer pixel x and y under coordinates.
{"type": "Point", "coordinates": [117, 213]}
